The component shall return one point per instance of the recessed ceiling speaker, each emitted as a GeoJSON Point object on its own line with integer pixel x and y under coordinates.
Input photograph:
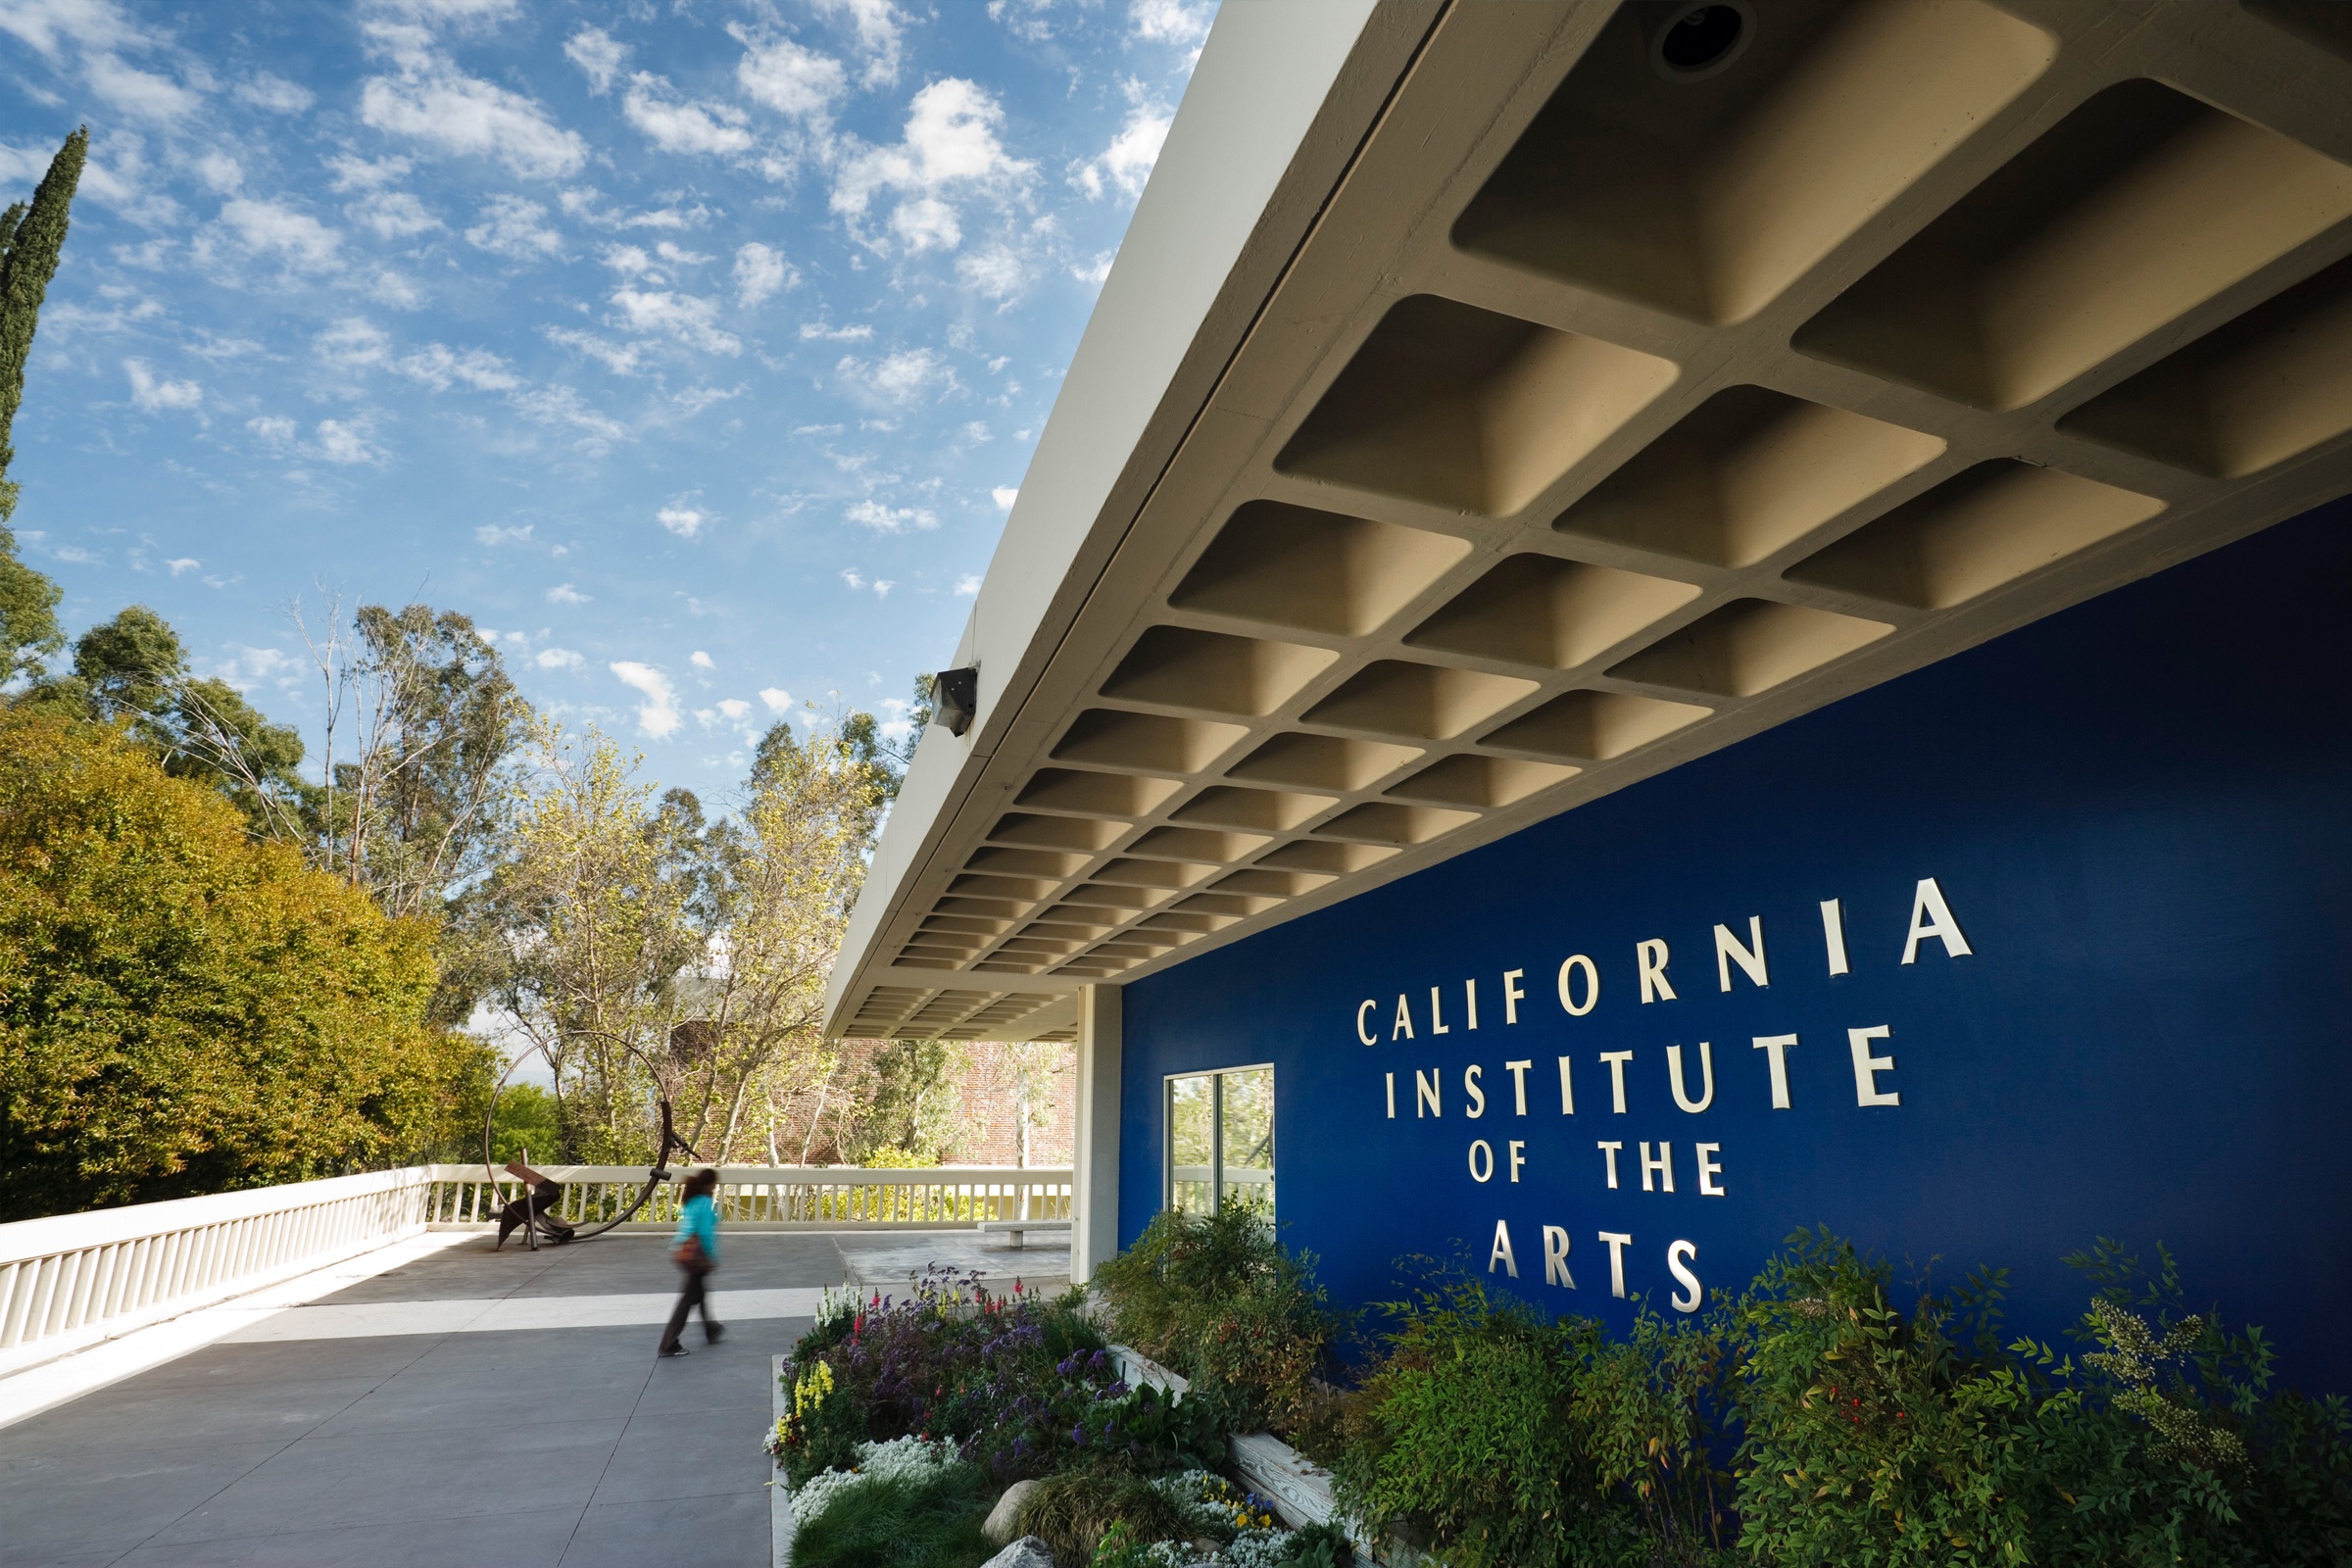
{"type": "Point", "coordinates": [956, 698]}
{"type": "Point", "coordinates": [1690, 40]}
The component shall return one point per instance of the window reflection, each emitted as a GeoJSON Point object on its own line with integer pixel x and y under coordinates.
{"type": "Point", "coordinates": [1220, 1144]}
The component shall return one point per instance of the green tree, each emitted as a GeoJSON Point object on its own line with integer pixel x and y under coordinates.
{"type": "Point", "coordinates": [29, 630]}
{"type": "Point", "coordinates": [183, 1009]}
{"type": "Point", "coordinates": [32, 237]}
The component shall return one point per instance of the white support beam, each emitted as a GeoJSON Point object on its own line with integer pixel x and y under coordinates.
{"type": "Point", "coordinates": [1095, 1195]}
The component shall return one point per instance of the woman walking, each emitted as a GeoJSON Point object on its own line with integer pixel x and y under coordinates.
{"type": "Point", "coordinates": [695, 1250]}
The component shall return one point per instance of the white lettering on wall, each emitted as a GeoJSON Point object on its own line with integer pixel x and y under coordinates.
{"type": "Point", "coordinates": [1502, 1253]}
{"type": "Point", "coordinates": [1930, 917]}
{"type": "Point", "coordinates": [1706, 1070]}
{"type": "Point", "coordinates": [1567, 1089]}
{"type": "Point", "coordinates": [1482, 1161]}
{"type": "Point", "coordinates": [1512, 994]}
{"type": "Point", "coordinates": [1708, 1170]}
{"type": "Point", "coordinates": [1618, 1242]}
{"type": "Point", "coordinates": [1617, 1060]}
{"type": "Point", "coordinates": [1362, 1033]}
{"type": "Point", "coordinates": [1436, 1015]}
{"type": "Point", "coordinates": [1749, 959]}
{"type": "Point", "coordinates": [1518, 1072]}
{"type": "Point", "coordinates": [1470, 997]}
{"type": "Point", "coordinates": [1610, 1150]}
{"type": "Point", "coordinates": [1775, 1044]}
{"type": "Point", "coordinates": [1577, 963]}
{"type": "Point", "coordinates": [1392, 1077]}
{"type": "Point", "coordinates": [1663, 1165]}
{"type": "Point", "coordinates": [1651, 958]}
{"type": "Point", "coordinates": [1518, 1154]}
{"type": "Point", "coordinates": [1425, 1094]}
{"type": "Point", "coordinates": [1833, 934]}
{"type": "Point", "coordinates": [1555, 1258]}
{"type": "Point", "coordinates": [1867, 1067]}
{"type": "Point", "coordinates": [1404, 1020]}
{"type": "Point", "coordinates": [1478, 1096]}
{"type": "Point", "coordinates": [1679, 1258]}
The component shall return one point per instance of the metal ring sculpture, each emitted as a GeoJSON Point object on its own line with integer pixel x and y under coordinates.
{"type": "Point", "coordinates": [653, 1178]}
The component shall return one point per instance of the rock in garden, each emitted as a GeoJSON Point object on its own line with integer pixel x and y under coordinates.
{"type": "Point", "coordinates": [1001, 1526]}
{"type": "Point", "coordinates": [1026, 1553]}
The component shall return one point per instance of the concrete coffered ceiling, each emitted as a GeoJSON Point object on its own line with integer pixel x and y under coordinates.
{"type": "Point", "coordinates": [1478, 421]}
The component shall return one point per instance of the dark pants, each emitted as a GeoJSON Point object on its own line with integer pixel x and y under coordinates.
{"type": "Point", "coordinates": [693, 1293]}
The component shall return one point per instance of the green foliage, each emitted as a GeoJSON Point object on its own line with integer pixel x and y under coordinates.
{"type": "Point", "coordinates": [1218, 1298]}
{"type": "Point", "coordinates": [1072, 1511]}
{"type": "Point", "coordinates": [909, 1104]}
{"type": "Point", "coordinates": [32, 237]}
{"type": "Point", "coordinates": [925, 1521]}
{"type": "Point", "coordinates": [526, 1123]}
{"type": "Point", "coordinates": [1870, 1433]}
{"type": "Point", "coordinates": [29, 630]}
{"type": "Point", "coordinates": [184, 1010]}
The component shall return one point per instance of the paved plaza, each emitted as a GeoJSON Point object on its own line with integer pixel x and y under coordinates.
{"type": "Point", "coordinates": [469, 1409]}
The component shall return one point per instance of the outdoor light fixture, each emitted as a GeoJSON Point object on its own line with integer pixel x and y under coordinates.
{"type": "Point", "coordinates": [956, 698]}
{"type": "Point", "coordinates": [1690, 40]}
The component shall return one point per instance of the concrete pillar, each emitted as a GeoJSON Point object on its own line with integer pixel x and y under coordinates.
{"type": "Point", "coordinates": [1094, 1204]}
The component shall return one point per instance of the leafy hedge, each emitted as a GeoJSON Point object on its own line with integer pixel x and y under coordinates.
{"type": "Point", "coordinates": [1811, 1420]}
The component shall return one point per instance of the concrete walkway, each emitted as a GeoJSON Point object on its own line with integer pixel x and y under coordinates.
{"type": "Point", "coordinates": [399, 1423]}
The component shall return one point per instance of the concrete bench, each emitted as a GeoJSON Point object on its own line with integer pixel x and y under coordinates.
{"type": "Point", "coordinates": [1017, 1228]}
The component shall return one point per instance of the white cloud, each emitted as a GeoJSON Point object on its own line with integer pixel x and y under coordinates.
{"type": "Point", "coordinates": [598, 55]}
{"type": "Point", "coordinates": [1183, 23]}
{"type": "Point", "coordinates": [363, 173]}
{"type": "Point", "coordinates": [735, 707]}
{"type": "Point", "coordinates": [565, 593]}
{"type": "Point", "coordinates": [678, 124]}
{"type": "Point", "coordinates": [890, 519]}
{"type": "Point", "coordinates": [700, 660]}
{"type": "Point", "coordinates": [968, 585]}
{"type": "Point", "coordinates": [998, 272]}
{"type": "Point", "coordinates": [183, 564]}
{"type": "Point", "coordinates": [272, 228]}
{"type": "Point", "coordinates": [836, 335]}
{"type": "Point", "coordinates": [777, 699]}
{"type": "Point", "coordinates": [879, 28]}
{"type": "Point", "coordinates": [1126, 164]}
{"type": "Point", "coordinates": [951, 143]}
{"type": "Point", "coordinates": [683, 521]}
{"type": "Point", "coordinates": [901, 378]}
{"type": "Point", "coordinates": [491, 533]}
{"type": "Point", "coordinates": [46, 25]}
{"type": "Point", "coordinates": [788, 79]}
{"type": "Point", "coordinates": [690, 320]}
{"type": "Point", "coordinates": [629, 261]}
{"type": "Point", "coordinates": [153, 396]}
{"type": "Point", "coordinates": [218, 171]}
{"type": "Point", "coordinates": [275, 93]}
{"type": "Point", "coordinates": [622, 359]}
{"type": "Point", "coordinates": [657, 714]}
{"type": "Point", "coordinates": [430, 101]}
{"type": "Point", "coordinates": [1005, 495]}
{"type": "Point", "coordinates": [345, 443]}
{"type": "Point", "coordinates": [275, 431]}
{"type": "Point", "coordinates": [352, 341]}
{"type": "Point", "coordinates": [562, 406]}
{"type": "Point", "coordinates": [557, 658]}
{"type": "Point", "coordinates": [392, 214]}
{"type": "Point", "coordinates": [512, 226]}
{"type": "Point", "coordinates": [881, 587]}
{"type": "Point", "coordinates": [759, 271]}
{"type": "Point", "coordinates": [138, 92]}
{"type": "Point", "coordinates": [440, 367]}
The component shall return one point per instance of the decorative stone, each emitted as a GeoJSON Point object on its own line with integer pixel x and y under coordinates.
{"type": "Point", "coordinates": [1026, 1553]}
{"type": "Point", "coordinates": [1002, 1526]}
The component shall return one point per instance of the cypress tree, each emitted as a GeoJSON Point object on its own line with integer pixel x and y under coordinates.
{"type": "Point", "coordinates": [32, 234]}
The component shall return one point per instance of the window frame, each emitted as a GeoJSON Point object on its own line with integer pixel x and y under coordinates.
{"type": "Point", "coordinates": [1216, 1129]}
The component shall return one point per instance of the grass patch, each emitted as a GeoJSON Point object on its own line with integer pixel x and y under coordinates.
{"type": "Point", "coordinates": [1072, 1510]}
{"type": "Point", "coordinates": [922, 1521]}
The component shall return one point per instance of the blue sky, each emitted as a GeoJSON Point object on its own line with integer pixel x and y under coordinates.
{"type": "Point", "coordinates": [695, 348]}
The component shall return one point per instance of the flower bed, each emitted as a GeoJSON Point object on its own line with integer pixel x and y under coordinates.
{"type": "Point", "coordinates": [905, 1421]}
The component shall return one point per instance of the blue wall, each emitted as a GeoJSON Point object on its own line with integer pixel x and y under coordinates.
{"type": "Point", "coordinates": [2140, 813]}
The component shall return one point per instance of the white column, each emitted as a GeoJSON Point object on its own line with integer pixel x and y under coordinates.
{"type": "Point", "coordinates": [1095, 1177]}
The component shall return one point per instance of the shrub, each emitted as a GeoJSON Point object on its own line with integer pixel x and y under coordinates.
{"type": "Point", "coordinates": [1218, 1298]}
{"type": "Point", "coordinates": [1073, 1511]}
{"type": "Point", "coordinates": [913, 1505]}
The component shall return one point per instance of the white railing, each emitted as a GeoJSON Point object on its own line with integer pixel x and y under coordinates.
{"type": "Point", "coordinates": [1193, 1187]}
{"type": "Point", "coordinates": [773, 1197]}
{"type": "Point", "coordinates": [72, 1280]}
